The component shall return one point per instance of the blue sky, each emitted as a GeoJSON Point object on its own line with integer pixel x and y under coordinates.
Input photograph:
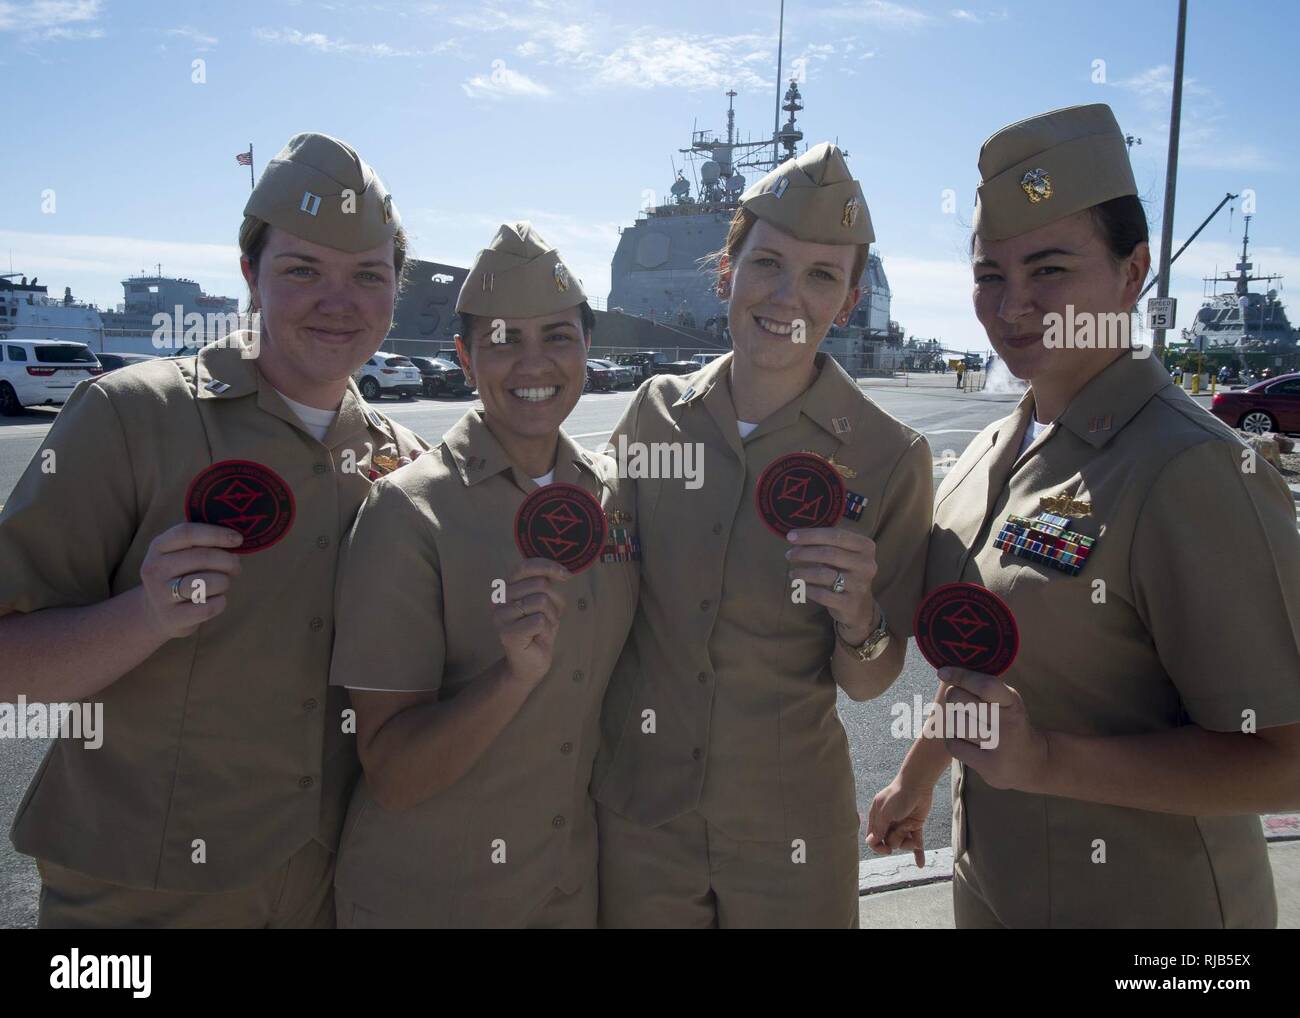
{"type": "Point", "coordinates": [568, 112]}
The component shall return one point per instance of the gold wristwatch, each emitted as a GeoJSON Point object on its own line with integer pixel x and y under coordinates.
{"type": "Point", "coordinates": [873, 646]}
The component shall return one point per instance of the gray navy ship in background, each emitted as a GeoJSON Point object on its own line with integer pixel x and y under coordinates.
{"type": "Point", "coordinates": [1244, 323]}
{"type": "Point", "coordinates": [662, 293]}
{"type": "Point", "coordinates": [659, 271]}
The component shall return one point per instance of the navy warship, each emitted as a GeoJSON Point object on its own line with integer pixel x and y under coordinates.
{"type": "Point", "coordinates": [1243, 322]}
{"type": "Point", "coordinates": [659, 270]}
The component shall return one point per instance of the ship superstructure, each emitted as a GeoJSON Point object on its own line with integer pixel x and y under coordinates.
{"type": "Point", "coordinates": [660, 270]}
{"type": "Point", "coordinates": [1242, 321]}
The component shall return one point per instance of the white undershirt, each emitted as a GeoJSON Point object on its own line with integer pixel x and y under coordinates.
{"type": "Point", "coordinates": [1032, 432]}
{"type": "Point", "coordinates": [545, 479]}
{"type": "Point", "coordinates": [317, 422]}
{"type": "Point", "coordinates": [745, 427]}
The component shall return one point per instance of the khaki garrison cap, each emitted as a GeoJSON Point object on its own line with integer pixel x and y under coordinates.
{"type": "Point", "coordinates": [302, 191]}
{"type": "Point", "coordinates": [813, 198]}
{"type": "Point", "coordinates": [518, 275]}
{"type": "Point", "coordinates": [1049, 167]}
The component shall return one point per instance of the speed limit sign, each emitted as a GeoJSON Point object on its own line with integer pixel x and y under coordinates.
{"type": "Point", "coordinates": [1161, 311]}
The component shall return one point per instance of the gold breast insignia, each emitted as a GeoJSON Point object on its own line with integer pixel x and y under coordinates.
{"type": "Point", "coordinates": [845, 471]}
{"type": "Point", "coordinates": [1065, 505]}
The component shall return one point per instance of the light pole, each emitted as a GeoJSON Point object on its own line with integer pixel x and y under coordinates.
{"type": "Point", "coordinates": [1171, 171]}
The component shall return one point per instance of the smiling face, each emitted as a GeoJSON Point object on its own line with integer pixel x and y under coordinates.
{"type": "Point", "coordinates": [1020, 280]}
{"type": "Point", "coordinates": [324, 311]}
{"type": "Point", "coordinates": [529, 379]}
{"type": "Point", "coordinates": [781, 286]}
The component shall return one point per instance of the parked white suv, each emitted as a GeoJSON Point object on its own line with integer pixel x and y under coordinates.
{"type": "Point", "coordinates": [389, 374]}
{"type": "Point", "coordinates": [38, 372]}
{"type": "Point", "coordinates": [704, 358]}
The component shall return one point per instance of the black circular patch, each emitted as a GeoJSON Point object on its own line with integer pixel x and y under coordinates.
{"type": "Point", "coordinates": [798, 491]}
{"type": "Point", "coordinates": [563, 523]}
{"type": "Point", "coordinates": [244, 496]}
{"type": "Point", "coordinates": [964, 625]}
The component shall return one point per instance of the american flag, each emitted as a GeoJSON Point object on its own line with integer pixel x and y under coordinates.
{"type": "Point", "coordinates": [245, 158]}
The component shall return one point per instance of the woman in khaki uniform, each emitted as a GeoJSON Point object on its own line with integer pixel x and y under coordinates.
{"type": "Point", "coordinates": [1153, 566]}
{"type": "Point", "coordinates": [218, 794]}
{"type": "Point", "coordinates": [477, 676]}
{"type": "Point", "coordinates": [725, 782]}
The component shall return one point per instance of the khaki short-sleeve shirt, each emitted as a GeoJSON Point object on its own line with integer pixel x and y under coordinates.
{"type": "Point", "coordinates": [223, 752]}
{"type": "Point", "coordinates": [724, 699]}
{"type": "Point", "coordinates": [1187, 610]}
{"type": "Point", "coordinates": [416, 587]}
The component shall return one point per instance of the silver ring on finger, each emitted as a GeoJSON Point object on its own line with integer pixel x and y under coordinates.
{"type": "Point", "coordinates": [177, 596]}
{"type": "Point", "coordinates": [839, 584]}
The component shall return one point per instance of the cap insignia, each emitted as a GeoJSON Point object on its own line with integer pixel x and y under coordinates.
{"type": "Point", "coordinates": [850, 215]}
{"type": "Point", "coordinates": [561, 277]}
{"type": "Point", "coordinates": [1037, 185]}
{"type": "Point", "coordinates": [310, 203]}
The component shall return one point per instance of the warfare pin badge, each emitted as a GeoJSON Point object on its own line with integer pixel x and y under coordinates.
{"type": "Point", "coordinates": [563, 523]}
{"type": "Point", "coordinates": [244, 496]}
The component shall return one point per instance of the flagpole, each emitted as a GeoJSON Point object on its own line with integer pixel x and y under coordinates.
{"type": "Point", "coordinates": [251, 182]}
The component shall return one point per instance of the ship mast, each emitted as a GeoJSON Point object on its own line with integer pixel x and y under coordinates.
{"type": "Point", "coordinates": [776, 115]}
{"type": "Point", "coordinates": [1243, 277]}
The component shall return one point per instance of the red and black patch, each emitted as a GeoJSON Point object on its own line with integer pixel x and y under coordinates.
{"type": "Point", "coordinates": [244, 496]}
{"type": "Point", "coordinates": [799, 491]}
{"type": "Point", "coordinates": [964, 625]}
{"type": "Point", "coordinates": [563, 523]}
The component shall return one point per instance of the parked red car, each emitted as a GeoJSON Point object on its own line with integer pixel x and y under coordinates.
{"type": "Point", "coordinates": [1269, 405]}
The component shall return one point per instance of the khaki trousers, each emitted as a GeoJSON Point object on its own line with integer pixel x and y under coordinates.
{"type": "Point", "coordinates": [299, 895]}
{"type": "Point", "coordinates": [559, 911]}
{"type": "Point", "coordinates": [686, 874]}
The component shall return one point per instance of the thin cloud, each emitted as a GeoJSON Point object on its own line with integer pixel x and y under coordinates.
{"type": "Point", "coordinates": [678, 61]}
{"type": "Point", "coordinates": [1205, 139]}
{"type": "Point", "coordinates": [322, 43]}
{"type": "Point", "coordinates": [49, 18]}
{"type": "Point", "coordinates": [200, 40]}
{"type": "Point", "coordinates": [502, 83]}
{"type": "Point", "coordinates": [881, 13]}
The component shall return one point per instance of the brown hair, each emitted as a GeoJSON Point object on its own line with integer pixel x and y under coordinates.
{"type": "Point", "coordinates": [1123, 224]}
{"type": "Point", "coordinates": [254, 232]}
{"type": "Point", "coordinates": [741, 223]}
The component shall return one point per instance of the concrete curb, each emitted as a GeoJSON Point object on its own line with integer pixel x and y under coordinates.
{"type": "Point", "coordinates": [899, 871]}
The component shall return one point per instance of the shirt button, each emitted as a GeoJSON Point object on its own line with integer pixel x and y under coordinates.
{"type": "Point", "coordinates": [557, 822]}
{"type": "Point", "coordinates": [703, 677]}
{"type": "Point", "coordinates": [306, 782]}
{"type": "Point", "coordinates": [717, 528]}
{"type": "Point", "coordinates": [310, 704]}
{"type": "Point", "coordinates": [582, 603]}
{"type": "Point", "coordinates": [317, 624]}
{"type": "Point", "coordinates": [704, 606]}
{"type": "Point", "coordinates": [577, 676]}
{"type": "Point", "coordinates": [319, 468]}
{"type": "Point", "coordinates": [567, 748]}
{"type": "Point", "coordinates": [695, 754]}
{"type": "Point", "coordinates": [322, 542]}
